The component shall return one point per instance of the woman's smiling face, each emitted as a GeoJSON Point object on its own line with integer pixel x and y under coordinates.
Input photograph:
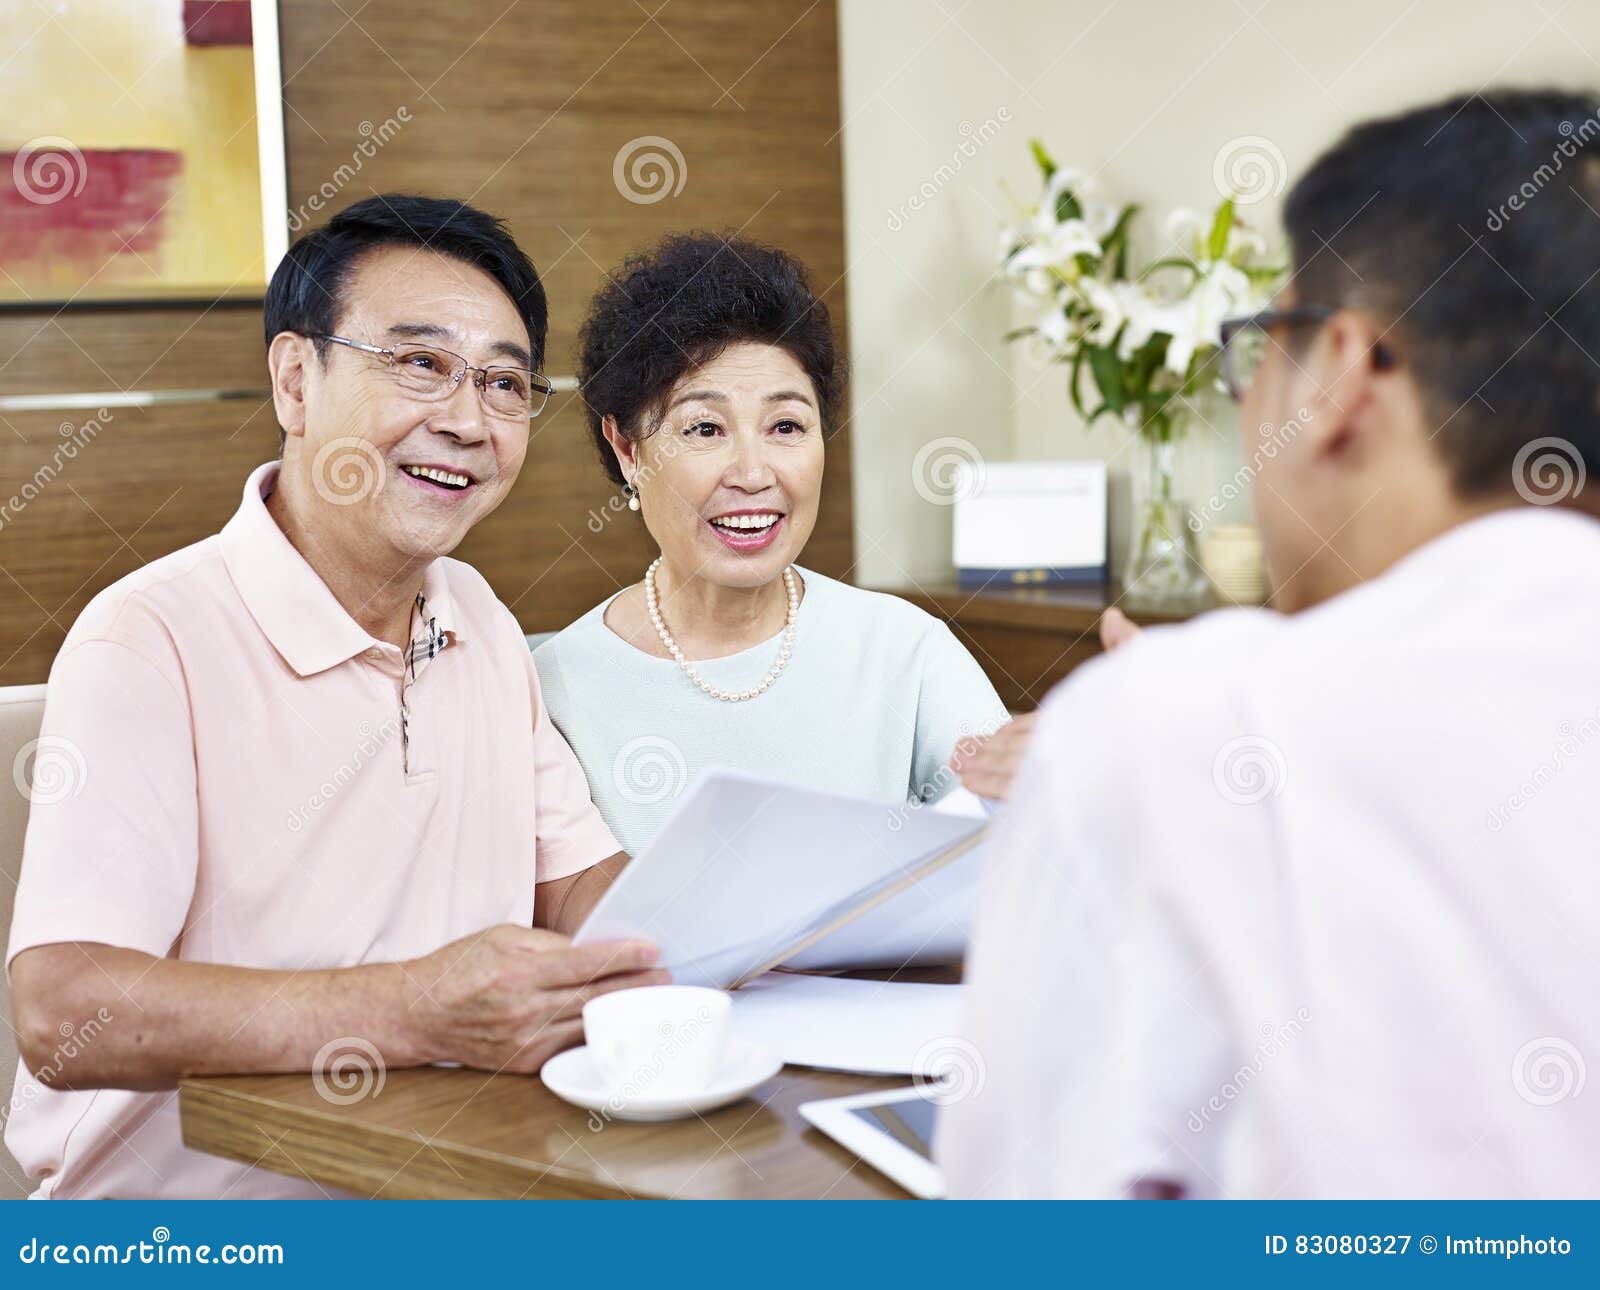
{"type": "Point", "coordinates": [729, 484]}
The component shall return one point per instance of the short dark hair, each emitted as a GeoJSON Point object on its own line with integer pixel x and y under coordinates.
{"type": "Point", "coordinates": [306, 292]}
{"type": "Point", "coordinates": [1438, 221]}
{"type": "Point", "coordinates": [675, 307]}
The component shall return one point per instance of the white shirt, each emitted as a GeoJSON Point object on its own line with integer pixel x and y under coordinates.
{"type": "Point", "coordinates": [876, 696]}
{"type": "Point", "coordinates": [1309, 906]}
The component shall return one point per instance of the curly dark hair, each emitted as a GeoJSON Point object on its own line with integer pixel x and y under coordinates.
{"type": "Point", "coordinates": [675, 307]}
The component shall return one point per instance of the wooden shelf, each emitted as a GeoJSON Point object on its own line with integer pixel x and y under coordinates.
{"type": "Point", "coordinates": [1025, 638]}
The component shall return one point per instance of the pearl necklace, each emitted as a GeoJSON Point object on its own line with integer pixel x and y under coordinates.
{"type": "Point", "coordinates": [727, 696]}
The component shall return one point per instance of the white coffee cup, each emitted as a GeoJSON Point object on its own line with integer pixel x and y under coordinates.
{"type": "Point", "coordinates": [658, 1040]}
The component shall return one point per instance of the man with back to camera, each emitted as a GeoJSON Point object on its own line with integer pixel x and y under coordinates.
{"type": "Point", "coordinates": [1316, 915]}
{"type": "Point", "coordinates": [322, 813]}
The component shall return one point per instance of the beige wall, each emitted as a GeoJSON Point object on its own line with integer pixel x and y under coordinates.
{"type": "Point", "coordinates": [1146, 94]}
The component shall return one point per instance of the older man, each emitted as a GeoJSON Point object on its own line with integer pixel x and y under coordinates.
{"type": "Point", "coordinates": [323, 814]}
{"type": "Point", "coordinates": [1304, 904]}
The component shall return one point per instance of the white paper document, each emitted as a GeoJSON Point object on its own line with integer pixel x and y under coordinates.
{"type": "Point", "coordinates": [844, 1024]}
{"type": "Point", "coordinates": [745, 866]}
{"type": "Point", "coordinates": [927, 923]}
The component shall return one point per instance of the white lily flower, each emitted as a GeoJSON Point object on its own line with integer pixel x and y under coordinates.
{"type": "Point", "coordinates": [1104, 299]}
{"type": "Point", "coordinates": [1244, 243]}
{"type": "Point", "coordinates": [1221, 292]}
{"type": "Point", "coordinates": [1186, 229]}
{"type": "Point", "coordinates": [1057, 248]}
{"type": "Point", "coordinates": [1054, 329]}
{"type": "Point", "coordinates": [1066, 180]}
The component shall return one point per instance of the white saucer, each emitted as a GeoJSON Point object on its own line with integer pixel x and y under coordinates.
{"type": "Point", "coordinates": [573, 1077]}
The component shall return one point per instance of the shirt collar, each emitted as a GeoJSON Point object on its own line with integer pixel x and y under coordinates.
{"type": "Point", "coordinates": [288, 600]}
{"type": "Point", "coordinates": [1528, 535]}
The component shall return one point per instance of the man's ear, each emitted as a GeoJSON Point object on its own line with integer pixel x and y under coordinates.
{"type": "Point", "coordinates": [627, 452]}
{"type": "Point", "coordinates": [1342, 376]}
{"type": "Point", "coordinates": [287, 359]}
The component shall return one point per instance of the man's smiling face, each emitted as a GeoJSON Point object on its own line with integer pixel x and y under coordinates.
{"type": "Point", "coordinates": [384, 471]}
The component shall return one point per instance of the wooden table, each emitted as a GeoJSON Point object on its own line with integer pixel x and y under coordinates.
{"type": "Point", "coordinates": [434, 1133]}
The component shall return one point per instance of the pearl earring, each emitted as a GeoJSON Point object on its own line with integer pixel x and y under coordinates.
{"type": "Point", "coordinates": [633, 496]}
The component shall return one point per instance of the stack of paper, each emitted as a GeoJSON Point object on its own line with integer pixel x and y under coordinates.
{"type": "Point", "coordinates": [842, 1024]}
{"type": "Point", "coordinates": [745, 868]}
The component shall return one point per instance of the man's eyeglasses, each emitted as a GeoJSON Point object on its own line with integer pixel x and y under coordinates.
{"type": "Point", "coordinates": [1245, 342]}
{"type": "Point", "coordinates": [429, 373]}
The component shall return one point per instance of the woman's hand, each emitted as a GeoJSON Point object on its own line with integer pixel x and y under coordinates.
{"type": "Point", "coordinates": [988, 763]}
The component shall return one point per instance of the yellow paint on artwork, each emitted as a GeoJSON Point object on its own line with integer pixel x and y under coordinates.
{"type": "Point", "coordinates": [118, 74]}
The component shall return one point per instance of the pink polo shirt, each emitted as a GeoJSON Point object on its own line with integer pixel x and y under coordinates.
{"type": "Point", "coordinates": [231, 770]}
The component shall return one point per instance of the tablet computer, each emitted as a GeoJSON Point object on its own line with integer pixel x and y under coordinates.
{"type": "Point", "coordinates": [891, 1130]}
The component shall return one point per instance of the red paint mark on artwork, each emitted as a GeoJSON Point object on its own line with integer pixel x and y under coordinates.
{"type": "Point", "coordinates": [60, 203]}
{"type": "Point", "coordinates": [216, 22]}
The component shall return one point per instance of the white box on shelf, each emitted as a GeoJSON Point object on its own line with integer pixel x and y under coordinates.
{"type": "Point", "coordinates": [1024, 523]}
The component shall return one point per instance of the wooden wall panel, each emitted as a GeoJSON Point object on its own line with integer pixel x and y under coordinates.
{"type": "Point", "coordinates": [521, 109]}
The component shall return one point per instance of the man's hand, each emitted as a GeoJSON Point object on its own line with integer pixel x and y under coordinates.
{"type": "Point", "coordinates": [988, 763]}
{"type": "Point", "coordinates": [510, 998]}
{"type": "Point", "coordinates": [1116, 629]}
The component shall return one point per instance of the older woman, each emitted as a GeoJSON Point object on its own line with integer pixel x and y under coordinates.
{"type": "Point", "coordinates": [710, 376]}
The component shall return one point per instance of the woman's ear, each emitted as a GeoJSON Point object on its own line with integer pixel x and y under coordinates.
{"type": "Point", "coordinates": [287, 358]}
{"type": "Point", "coordinates": [626, 450]}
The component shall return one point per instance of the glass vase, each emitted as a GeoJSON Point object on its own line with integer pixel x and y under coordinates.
{"type": "Point", "coordinates": [1162, 573]}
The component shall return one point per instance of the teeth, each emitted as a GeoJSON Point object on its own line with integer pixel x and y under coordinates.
{"type": "Point", "coordinates": [446, 477]}
{"type": "Point", "coordinates": [743, 522]}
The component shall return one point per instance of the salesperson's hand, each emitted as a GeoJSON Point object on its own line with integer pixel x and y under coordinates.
{"type": "Point", "coordinates": [987, 764]}
{"type": "Point", "coordinates": [1116, 629]}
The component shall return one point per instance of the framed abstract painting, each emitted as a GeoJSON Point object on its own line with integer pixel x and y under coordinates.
{"type": "Point", "coordinates": [141, 151]}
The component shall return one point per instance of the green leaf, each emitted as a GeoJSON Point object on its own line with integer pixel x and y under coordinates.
{"type": "Point", "coordinates": [1074, 381]}
{"type": "Point", "coordinates": [1067, 207]}
{"type": "Point", "coordinates": [1047, 163]}
{"type": "Point", "coordinates": [1116, 243]}
{"type": "Point", "coordinates": [1171, 262]}
{"type": "Point", "coordinates": [1106, 368]}
{"type": "Point", "coordinates": [1221, 226]}
{"type": "Point", "coordinates": [1017, 333]}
